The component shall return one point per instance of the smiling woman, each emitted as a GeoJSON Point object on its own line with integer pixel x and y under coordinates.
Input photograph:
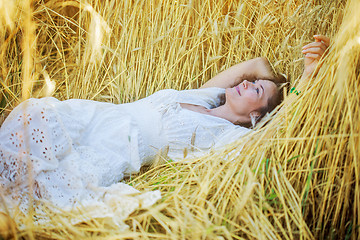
{"type": "Point", "coordinates": [251, 86]}
{"type": "Point", "coordinates": [75, 152]}
{"type": "Point", "coordinates": [245, 103]}
{"type": "Point", "coordinates": [254, 98]}
{"type": "Point", "coordinates": [251, 91]}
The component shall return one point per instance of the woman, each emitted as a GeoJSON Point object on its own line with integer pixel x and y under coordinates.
{"type": "Point", "coordinates": [74, 152]}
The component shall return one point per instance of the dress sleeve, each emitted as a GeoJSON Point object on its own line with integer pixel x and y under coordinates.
{"type": "Point", "coordinates": [231, 135]}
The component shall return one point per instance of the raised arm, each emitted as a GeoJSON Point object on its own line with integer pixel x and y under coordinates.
{"type": "Point", "coordinates": [257, 68]}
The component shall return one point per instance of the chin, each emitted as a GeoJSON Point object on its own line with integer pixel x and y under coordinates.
{"type": "Point", "coordinates": [228, 94]}
{"type": "Point", "coordinates": [230, 91]}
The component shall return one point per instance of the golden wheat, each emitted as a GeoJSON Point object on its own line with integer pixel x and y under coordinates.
{"type": "Point", "coordinates": [297, 177]}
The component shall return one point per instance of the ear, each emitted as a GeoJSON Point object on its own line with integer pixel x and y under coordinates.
{"type": "Point", "coordinates": [254, 117]}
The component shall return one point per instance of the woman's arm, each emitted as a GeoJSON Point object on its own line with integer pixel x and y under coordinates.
{"type": "Point", "coordinates": [257, 68]}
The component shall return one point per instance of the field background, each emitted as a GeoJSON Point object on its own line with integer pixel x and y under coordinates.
{"type": "Point", "coordinates": [295, 178]}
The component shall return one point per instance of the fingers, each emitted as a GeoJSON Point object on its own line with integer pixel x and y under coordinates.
{"type": "Point", "coordinates": [315, 44]}
{"type": "Point", "coordinates": [316, 50]}
{"type": "Point", "coordinates": [322, 38]}
{"type": "Point", "coordinates": [314, 53]}
{"type": "Point", "coordinates": [313, 56]}
{"type": "Point", "coordinates": [320, 41]}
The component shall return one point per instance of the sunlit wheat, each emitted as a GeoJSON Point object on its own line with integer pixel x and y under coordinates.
{"type": "Point", "coordinates": [296, 177]}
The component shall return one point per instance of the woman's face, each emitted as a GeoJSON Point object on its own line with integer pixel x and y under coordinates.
{"type": "Point", "coordinates": [248, 97]}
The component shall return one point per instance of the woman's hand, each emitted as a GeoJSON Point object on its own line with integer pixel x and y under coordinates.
{"type": "Point", "coordinates": [313, 52]}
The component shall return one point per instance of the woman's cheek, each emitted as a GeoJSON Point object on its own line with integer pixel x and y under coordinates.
{"type": "Point", "coordinates": [251, 97]}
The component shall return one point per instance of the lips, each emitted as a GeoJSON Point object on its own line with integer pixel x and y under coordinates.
{"type": "Point", "coordinates": [238, 89]}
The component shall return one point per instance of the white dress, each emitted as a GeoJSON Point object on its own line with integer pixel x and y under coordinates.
{"type": "Point", "coordinates": [75, 152]}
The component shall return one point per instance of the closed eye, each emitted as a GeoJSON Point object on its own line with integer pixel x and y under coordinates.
{"type": "Point", "coordinates": [257, 89]}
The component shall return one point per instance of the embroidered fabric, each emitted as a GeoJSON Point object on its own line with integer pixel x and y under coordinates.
{"type": "Point", "coordinates": [72, 154]}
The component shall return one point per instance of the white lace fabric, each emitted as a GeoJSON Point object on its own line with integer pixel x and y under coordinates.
{"type": "Point", "coordinates": [73, 153]}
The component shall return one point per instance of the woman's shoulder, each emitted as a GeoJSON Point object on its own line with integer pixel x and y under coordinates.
{"type": "Point", "coordinates": [232, 134]}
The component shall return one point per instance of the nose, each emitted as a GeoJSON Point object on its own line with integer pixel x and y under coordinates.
{"type": "Point", "coordinates": [248, 84]}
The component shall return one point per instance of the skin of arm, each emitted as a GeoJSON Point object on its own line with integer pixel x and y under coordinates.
{"type": "Point", "coordinates": [257, 68]}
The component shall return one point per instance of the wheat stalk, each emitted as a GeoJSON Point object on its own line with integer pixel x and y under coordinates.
{"type": "Point", "coordinates": [295, 178]}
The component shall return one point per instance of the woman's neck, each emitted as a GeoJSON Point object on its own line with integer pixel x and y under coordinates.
{"type": "Point", "coordinates": [223, 112]}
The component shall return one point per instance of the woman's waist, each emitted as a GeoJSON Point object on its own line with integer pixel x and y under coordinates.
{"type": "Point", "coordinates": [149, 121]}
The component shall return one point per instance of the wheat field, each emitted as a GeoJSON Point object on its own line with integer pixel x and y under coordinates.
{"type": "Point", "coordinates": [297, 175]}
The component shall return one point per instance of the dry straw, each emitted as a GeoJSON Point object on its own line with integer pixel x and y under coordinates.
{"type": "Point", "coordinates": [297, 177]}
